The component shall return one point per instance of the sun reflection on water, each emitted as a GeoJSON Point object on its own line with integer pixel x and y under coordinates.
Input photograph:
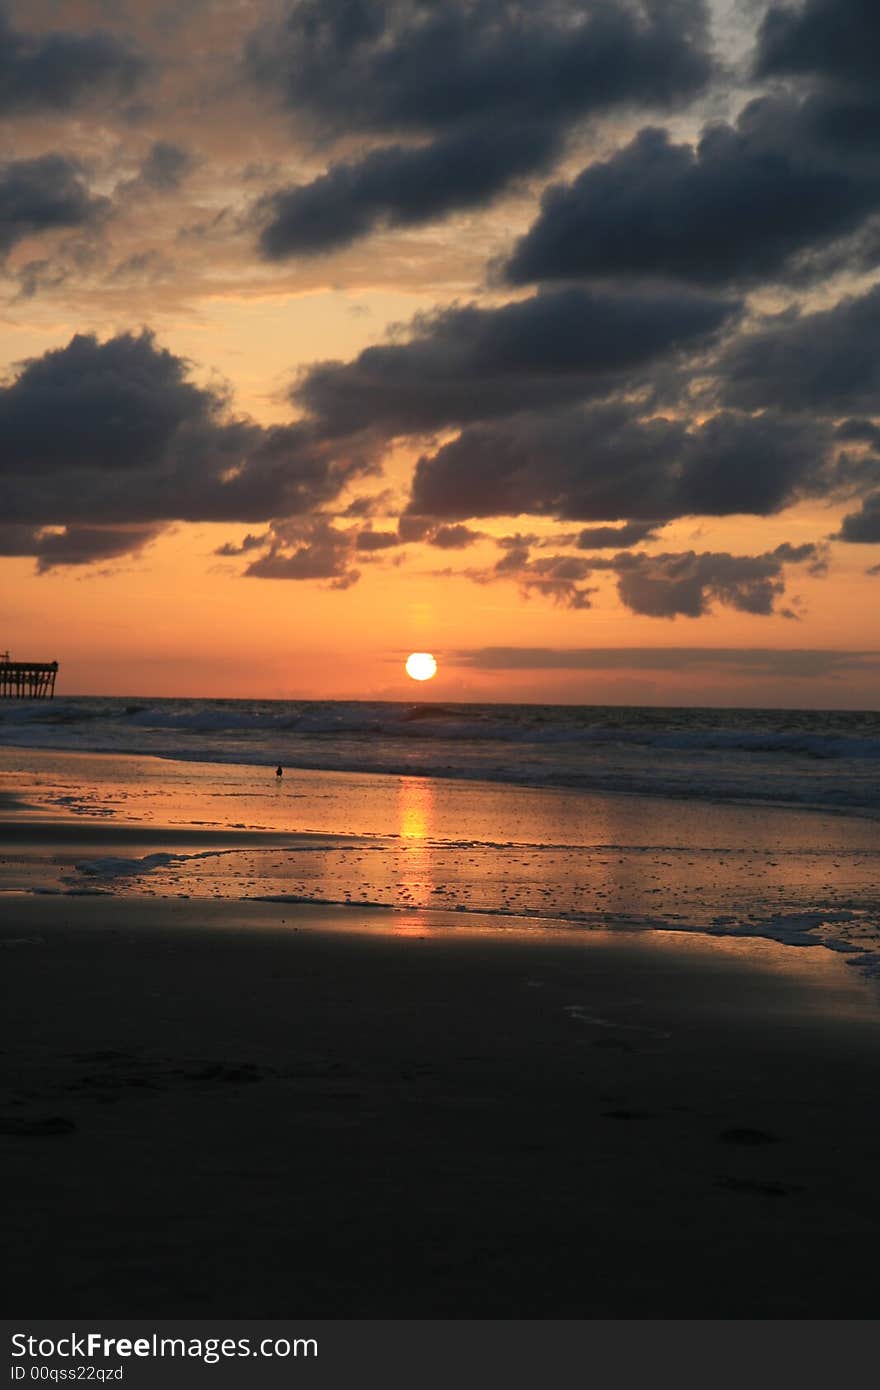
{"type": "Point", "coordinates": [416, 808]}
{"type": "Point", "coordinates": [417, 871]}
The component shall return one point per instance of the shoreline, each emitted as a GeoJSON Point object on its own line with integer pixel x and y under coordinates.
{"type": "Point", "coordinates": [138, 826]}
{"type": "Point", "coordinates": [235, 1109]}
{"type": "Point", "coordinates": [676, 796]}
{"type": "Point", "coordinates": [17, 810]}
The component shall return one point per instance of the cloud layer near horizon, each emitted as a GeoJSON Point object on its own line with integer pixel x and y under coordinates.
{"type": "Point", "coordinates": [797, 662]}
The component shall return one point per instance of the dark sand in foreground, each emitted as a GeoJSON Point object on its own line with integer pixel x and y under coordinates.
{"type": "Point", "coordinates": [273, 1111]}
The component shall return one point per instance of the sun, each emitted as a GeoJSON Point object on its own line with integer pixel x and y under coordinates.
{"type": "Point", "coordinates": [421, 666]}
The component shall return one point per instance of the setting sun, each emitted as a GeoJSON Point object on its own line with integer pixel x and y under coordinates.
{"type": "Point", "coordinates": [421, 666]}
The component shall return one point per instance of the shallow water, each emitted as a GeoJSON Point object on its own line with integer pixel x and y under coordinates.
{"type": "Point", "coordinates": [141, 826]}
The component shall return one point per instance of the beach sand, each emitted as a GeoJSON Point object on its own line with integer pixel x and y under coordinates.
{"type": "Point", "coordinates": [271, 1110]}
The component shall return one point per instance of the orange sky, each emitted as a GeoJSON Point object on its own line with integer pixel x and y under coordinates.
{"type": "Point", "coordinates": [181, 259]}
{"type": "Point", "coordinates": [177, 621]}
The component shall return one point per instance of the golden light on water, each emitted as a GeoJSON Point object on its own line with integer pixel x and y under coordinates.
{"type": "Point", "coordinates": [421, 666]}
{"type": "Point", "coordinates": [417, 882]}
{"type": "Point", "coordinates": [416, 807]}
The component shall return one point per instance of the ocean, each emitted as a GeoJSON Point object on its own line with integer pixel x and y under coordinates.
{"type": "Point", "coordinates": [736, 822]}
{"type": "Point", "coordinates": [825, 760]}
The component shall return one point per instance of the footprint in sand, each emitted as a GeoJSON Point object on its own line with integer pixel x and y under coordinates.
{"type": "Point", "coordinates": [42, 1127]}
{"type": "Point", "coordinates": [756, 1187]}
{"type": "Point", "coordinates": [627, 1115]}
{"type": "Point", "coordinates": [746, 1136]}
{"type": "Point", "coordinates": [225, 1071]}
{"type": "Point", "coordinates": [108, 1055]}
{"type": "Point", "coordinates": [578, 1014]}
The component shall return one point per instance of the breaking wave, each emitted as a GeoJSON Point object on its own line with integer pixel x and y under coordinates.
{"type": "Point", "coordinates": [809, 758]}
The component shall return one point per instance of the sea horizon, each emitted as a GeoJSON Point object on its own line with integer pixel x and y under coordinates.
{"type": "Point", "coordinates": [425, 696]}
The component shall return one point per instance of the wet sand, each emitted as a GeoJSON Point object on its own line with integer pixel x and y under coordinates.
{"type": "Point", "coordinates": [255, 1109]}
{"type": "Point", "coordinates": [164, 829]}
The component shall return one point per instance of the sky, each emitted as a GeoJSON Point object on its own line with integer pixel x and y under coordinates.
{"type": "Point", "coordinates": [543, 336]}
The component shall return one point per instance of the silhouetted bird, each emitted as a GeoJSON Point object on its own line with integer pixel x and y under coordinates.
{"type": "Point", "coordinates": [279, 771]}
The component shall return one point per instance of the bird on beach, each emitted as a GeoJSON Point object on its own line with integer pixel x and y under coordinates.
{"type": "Point", "coordinates": [279, 771]}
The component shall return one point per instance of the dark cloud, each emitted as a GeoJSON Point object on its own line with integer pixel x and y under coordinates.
{"type": "Point", "coordinates": [17, 540]}
{"type": "Point", "coordinates": [246, 545]}
{"type": "Point", "coordinates": [58, 70]}
{"type": "Point", "coordinates": [783, 192]}
{"type": "Point", "coordinates": [594, 464]}
{"type": "Point", "coordinates": [108, 406]}
{"type": "Point", "coordinates": [467, 363]}
{"type": "Point", "coordinates": [754, 661]}
{"type": "Point", "coordinates": [615, 406]}
{"type": "Point", "coordinates": [315, 551]}
{"type": "Point", "coordinates": [74, 545]}
{"type": "Point", "coordinates": [371, 504]}
{"type": "Point", "coordinates": [612, 537]}
{"type": "Point", "coordinates": [741, 205]}
{"type": "Point", "coordinates": [454, 537]}
{"type": "Point", "coordinates": [863, 526]}
{"type": "Point", "coordinates": [494, 85]}
{"type": "Point", "coordinates": [116, 433]}
{"type": "Point", "coordinates": [360, 543]}
{"type": "Point", "coordinates": [556, 577]}
{"type": "Point", "coordinates": [816, 556]}
{"type": "Point", "coordinates": [829, 49]}
{"type": "Point", "coordinates": [165, 167]}
{"type": "Point", "coordinates": [86, 545]}
{"type": "Point", "coordinates": [686, 585]}
{"type": "Point", "coordinates": [836, 40]}
{"type": "Point", "coordinates": [855, 254]}
{"type": "Point", "coordinates": [391, 65]}
{"type": "Point", "coordinates": [603, 464]}
{"type": "Point", "coordinates": [859, 431]}
{"type": "Point", "coordinates": [376, 540]}
{"type": "Point", "coordinates": [826, 362]}
{"type": "Point", "coordinates": [750, 463]}
{"type": "Point", "coordinates": [39, 274]}
{"type": "Point", "coordinates": [399, 186]}
{"type": "Point", "coordinates": [516, 557]}
{"type": "Point", "coordinates": [517, 542]}
{"type": "Point", "coordinates": [415, 528]}
{"type": "Point", "coordinates": [40, 195]}
{"type": "Point", "coordinates": [313, 547]}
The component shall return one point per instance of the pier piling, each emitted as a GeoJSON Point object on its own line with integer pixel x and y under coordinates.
{"type": "Point", "coordinates": [27, 680]}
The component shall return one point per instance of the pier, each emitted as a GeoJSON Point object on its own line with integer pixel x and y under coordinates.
{"type": "Point", "coordinates": [27, 680]}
